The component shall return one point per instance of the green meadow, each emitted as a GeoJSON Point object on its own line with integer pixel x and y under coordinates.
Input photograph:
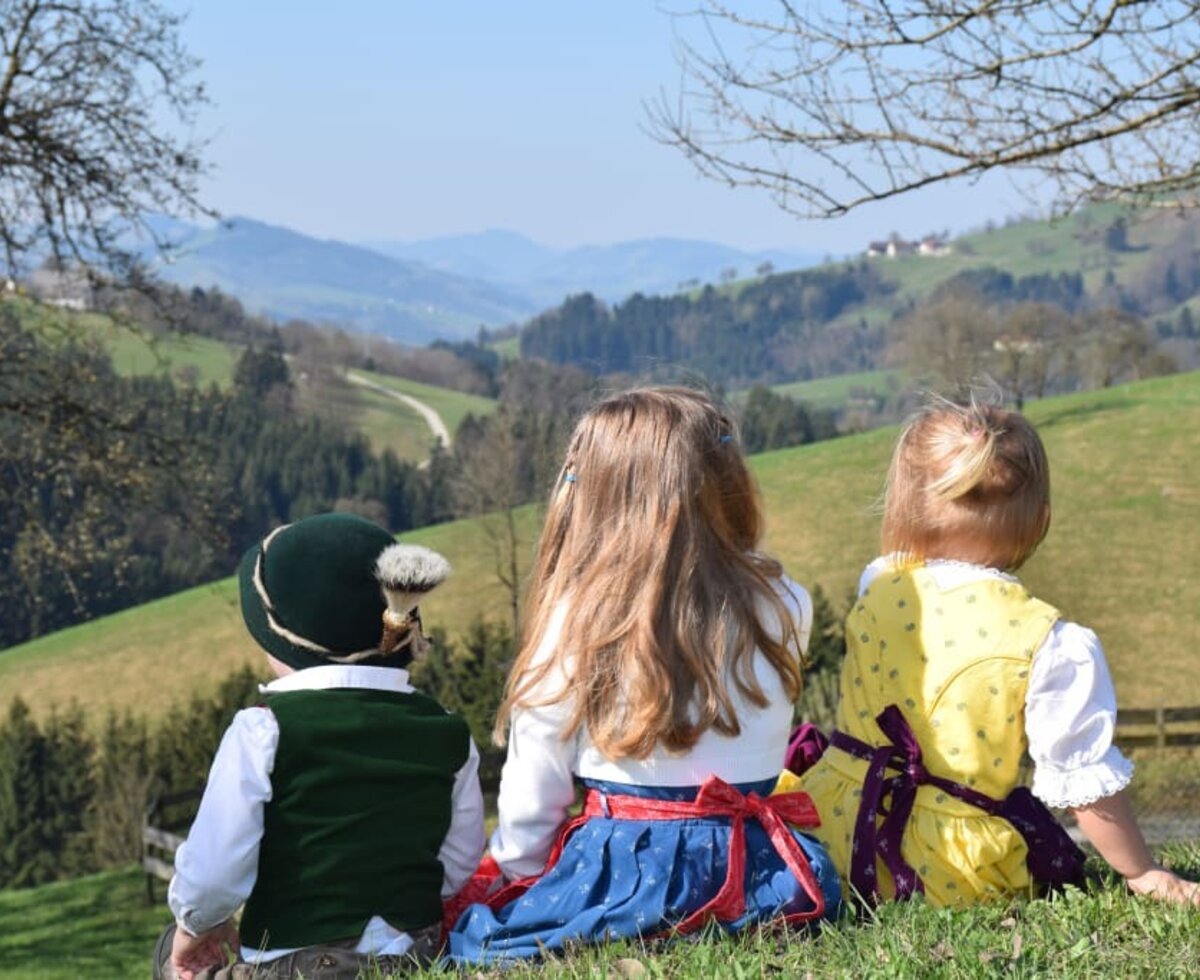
{"type": "Point", "coordinates": [1120, 557]}
{"type": "Point", "coordinates": [452, 406]}
{"type": "Point", "coordinates": [836, 391]}
{"type": "Point", "coordinates": [103, 927]}
{"type": "Point", "coordinates": [200, 360]}
{"type": "Point", "coordinates": [388, 423]}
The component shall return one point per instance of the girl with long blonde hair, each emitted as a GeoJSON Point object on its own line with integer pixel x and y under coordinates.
{"type": "Point", "coordinates": [658, 668]}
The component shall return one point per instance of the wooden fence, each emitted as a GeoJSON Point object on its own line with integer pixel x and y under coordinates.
{"type": "Point", "coordinates": [167, 820]}
{"type": "Point", "coordinates": [1158, 728]}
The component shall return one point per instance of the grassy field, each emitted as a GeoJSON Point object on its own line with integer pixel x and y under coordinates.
{"type": "Point", "coordinates": [102, 927]}
{"type": "Point", "coordinates": [199, 360]}
{"type": "Point", "coordinates": [387, 422]}
{"type": "Point", "coordinates": [452, 406]}
{"type": "Point", "coordinates": [836, 391]}
{"type": "Point", "coordinates": [1120, 557]}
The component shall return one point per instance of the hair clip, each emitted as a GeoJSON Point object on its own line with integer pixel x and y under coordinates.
{"type": "Point", "coordinates": [568, 478]}
{"type": "Point", "coordinates": [725, 439]}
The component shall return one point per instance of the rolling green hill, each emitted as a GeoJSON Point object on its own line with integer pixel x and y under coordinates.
{"type": "Point", "coordinates": [1076, 243]}
{"type": "Point", "coordinates": [1120, 557]}
{"type": "Point", "coordinates": [452, 406]}
{"type": "Point", "coordinates": [388, 423]}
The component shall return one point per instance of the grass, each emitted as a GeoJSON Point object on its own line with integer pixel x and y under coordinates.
{"type": "Point", "coordinates": [452, 406]}
{"type": "Point", "coordinates": [199, 360]}
{"type": "Point", "coordinates": [836, 391]}
{"type": "Point", "coordinates": [508, 348]}
{"type": "Point", "coordinates": [390, 424]}
{"type": "Point", "coordinates": [1120, 558]}
{"type": "Point", "coordinates": [102, 927]}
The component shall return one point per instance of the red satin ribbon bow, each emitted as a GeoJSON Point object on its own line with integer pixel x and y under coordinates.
{"type": "Point", "coordinates": [715, 799]}
{"type": "Point", "coordinates": [718, 799]}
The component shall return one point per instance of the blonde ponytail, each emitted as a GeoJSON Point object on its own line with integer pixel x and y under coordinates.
{"type": "Point", "coordinates": [968, 452]}
{"type": "Point", "coordinates": [969, 482]}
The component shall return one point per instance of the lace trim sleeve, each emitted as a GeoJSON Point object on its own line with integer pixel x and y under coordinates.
{"type": "Point", "coordinates": [1070, 720]}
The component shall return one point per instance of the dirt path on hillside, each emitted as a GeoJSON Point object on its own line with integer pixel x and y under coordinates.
{"type": "Point", "coordinates": [435, 422]}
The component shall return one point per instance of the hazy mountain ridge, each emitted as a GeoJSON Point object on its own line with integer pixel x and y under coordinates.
{"type": "Point", "coordinates": [285, 274]}
{"type": "Point", "coordinates": [612, 272]}
{"type": "Point", "coordinates": [447, 287]}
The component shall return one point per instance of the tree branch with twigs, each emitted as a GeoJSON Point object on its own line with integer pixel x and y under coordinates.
{"type": "Point", "coordinates": [87, 158]}
{"type": "Point", "coordinates": [828, 107]}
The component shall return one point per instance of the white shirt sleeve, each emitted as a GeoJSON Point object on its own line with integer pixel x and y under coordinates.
{"type": "Point", "coordinates": [1070, 718]}
{"type": "Point", "coordinates": [537, 783]}
{"type": "Point", "coordinates": [215, 867]}
{"type": "Point", "coordinates": [873, 570]}
{"type": "Point", "coordinates": [463, 846]}
{"type": "Point", "coordinates": [537, 787]}
{"type": "Point", "coordinates": [800, 605]}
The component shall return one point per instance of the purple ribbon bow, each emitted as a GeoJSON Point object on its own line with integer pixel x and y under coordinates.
{"type": "Point", "coordinates": [1053, 857]}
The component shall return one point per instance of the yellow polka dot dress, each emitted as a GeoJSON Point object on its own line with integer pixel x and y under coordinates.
{"type": "Point", "coordinates": [956, 662]}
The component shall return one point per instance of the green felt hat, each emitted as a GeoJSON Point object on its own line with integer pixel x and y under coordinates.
{"type": "Point", "coordinates": [311, 591]}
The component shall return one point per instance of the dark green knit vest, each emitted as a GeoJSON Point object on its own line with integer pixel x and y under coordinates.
{"type": "Point", "coordinates": [361, 802]}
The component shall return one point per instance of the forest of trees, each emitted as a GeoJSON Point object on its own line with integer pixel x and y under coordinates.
{"type": "Point", "coordinates": [773, 330]}
{"type": "Point", "coordinates": [125, 489]}
{"type": "Point", "coordinates": [814, 324]}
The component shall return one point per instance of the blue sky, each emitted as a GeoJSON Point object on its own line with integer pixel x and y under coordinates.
{"type": "Point", "coordinates": [374, 119]}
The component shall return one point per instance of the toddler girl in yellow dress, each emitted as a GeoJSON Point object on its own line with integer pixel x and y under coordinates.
{"type": "Point", "coordinates": [953, 671]}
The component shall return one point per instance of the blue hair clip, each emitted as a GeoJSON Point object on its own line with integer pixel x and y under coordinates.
{"type": "Point", "coordinates": [725, 439]}
{"type": "Point", "coordinates": [568, 478]}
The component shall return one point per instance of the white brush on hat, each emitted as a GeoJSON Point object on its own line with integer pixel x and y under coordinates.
{"type": "Point", "coordinates": [407, 573]}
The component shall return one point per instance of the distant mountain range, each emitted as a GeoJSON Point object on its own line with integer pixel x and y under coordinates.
{"type": "Point", "coordinates": [283, 274]}
{"type": "Point", "coordinates": [612, 272]}
{"type": "Point", "coordinates": [420, 291]}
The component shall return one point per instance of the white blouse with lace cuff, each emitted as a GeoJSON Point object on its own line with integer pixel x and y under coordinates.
{"type": "Point", "coordinates": [1070, 704]}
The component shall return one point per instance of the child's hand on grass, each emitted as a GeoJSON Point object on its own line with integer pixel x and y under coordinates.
{"type": "Point", "coordinates": [1164, 885]}
{"type": "Point", "coordinates": [191, 954]}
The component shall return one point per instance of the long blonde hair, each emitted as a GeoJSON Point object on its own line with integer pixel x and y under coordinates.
{"type": "Point", "coordinates": [649, 544]}
{"type": "Point", "coordinates": [967, 481]}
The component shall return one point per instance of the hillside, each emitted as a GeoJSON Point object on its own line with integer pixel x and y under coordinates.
{"type": "Point", "coordinates": [1082, 242]}
{"type": "Point", "coordinates": [1125, 286]}
{"type": "Point", "coordinates": [1126, 468]}
{"type": "Point", "coordinates": [388, 423]}
{"type": "Point", "coordinates": [284, 274]}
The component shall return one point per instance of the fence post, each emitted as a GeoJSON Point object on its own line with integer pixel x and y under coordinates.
{"type": "Point", "coordinates": [1160, 727]}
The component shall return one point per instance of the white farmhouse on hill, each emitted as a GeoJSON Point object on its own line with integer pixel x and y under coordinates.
{"type": "Point", "coordinates": [894, 246]}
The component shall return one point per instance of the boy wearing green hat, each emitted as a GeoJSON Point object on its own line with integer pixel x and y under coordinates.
{"type": "Point", "coordinates": [344, 809]}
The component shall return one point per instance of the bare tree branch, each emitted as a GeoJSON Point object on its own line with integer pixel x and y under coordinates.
{"type": "Point", "coordinates": [831, 106]}
{"type": "Point", "coordinates": [86, 158]}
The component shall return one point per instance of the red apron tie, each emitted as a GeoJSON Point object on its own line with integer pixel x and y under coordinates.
{"type": "Point", "coordinates": [715, 799]}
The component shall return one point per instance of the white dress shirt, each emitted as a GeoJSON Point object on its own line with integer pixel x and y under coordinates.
{"type": "Point", "coordinates": [215, 868]}
{"type": "Point", "coordinates": [537, 784]}
{"type": "Point", "coordinates": [1070, 704]}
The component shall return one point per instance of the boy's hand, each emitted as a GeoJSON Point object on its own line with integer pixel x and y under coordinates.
{"type": "Point", "coordinates": [1164, 885]}
{"type": "Point", "coordinates": [191, 954]}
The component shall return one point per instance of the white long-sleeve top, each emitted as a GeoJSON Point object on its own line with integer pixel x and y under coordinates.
{"type": "Point", "coordinates": [215, 869]}
{"type": "Point", "coordinates": [1070, 704]}
{"type": "Point", "coordinates": [537, 783]}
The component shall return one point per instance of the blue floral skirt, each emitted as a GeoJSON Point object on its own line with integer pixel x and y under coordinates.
{"type": "Point", "coordinates": [623, 878]}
